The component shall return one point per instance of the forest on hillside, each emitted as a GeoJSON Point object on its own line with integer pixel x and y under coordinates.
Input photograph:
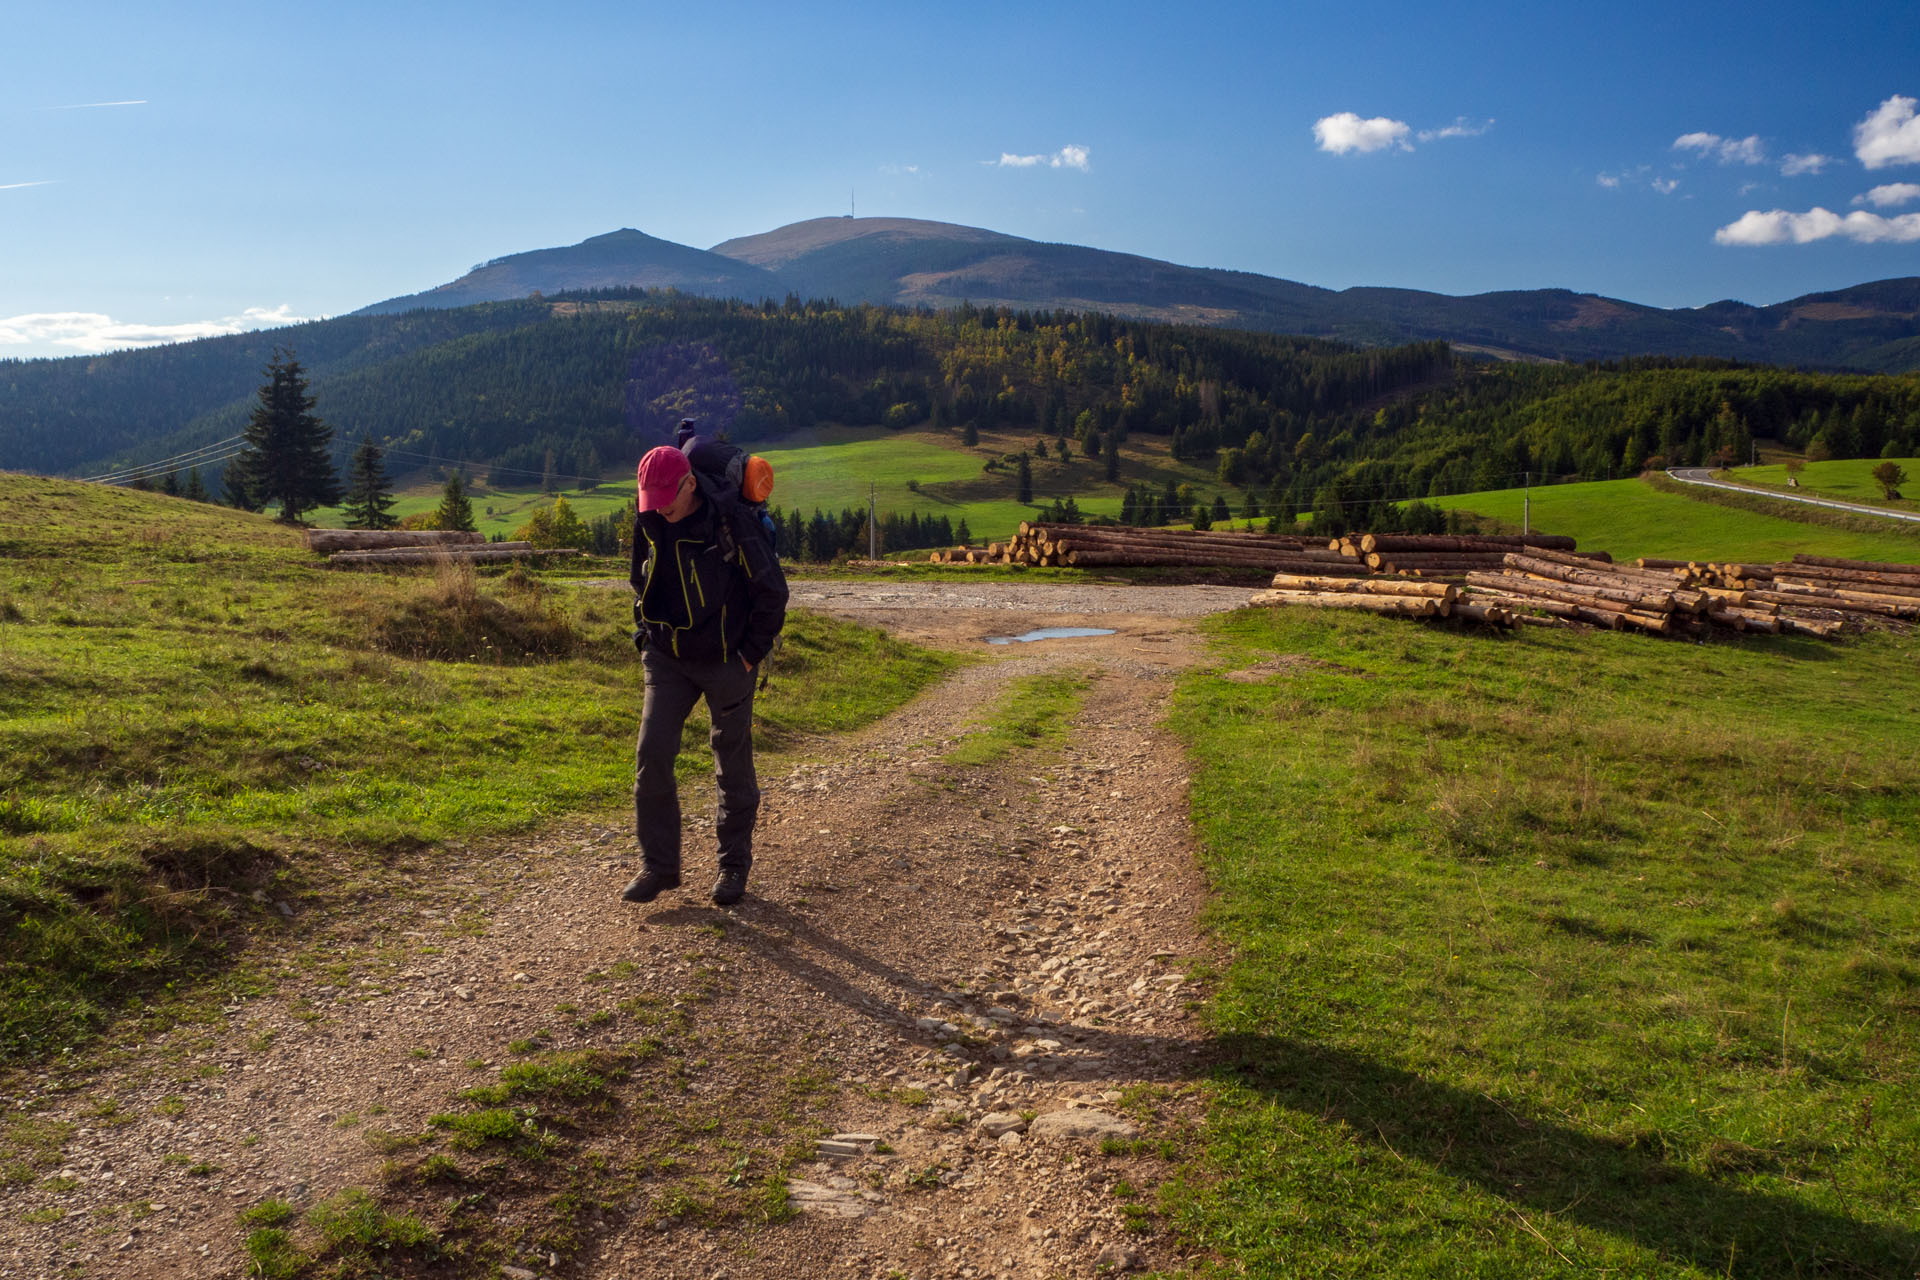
{"type": "Point", "coordinates": [574, 386]}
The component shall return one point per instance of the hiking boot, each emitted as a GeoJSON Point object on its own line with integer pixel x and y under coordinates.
{"type": "Point", "coordinates": [729, 888]}
{"type": "Point", "coordinates": [648, 885]}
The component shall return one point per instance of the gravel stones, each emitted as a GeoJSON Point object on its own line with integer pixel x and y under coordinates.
{"type": "Point", "coordinates": [1082, 1125]}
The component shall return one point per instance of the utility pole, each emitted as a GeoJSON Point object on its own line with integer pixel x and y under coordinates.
{"type": "Point", "coordinates": [873, 532]}
{"type": "Point", "coordinates": [1526, 503]}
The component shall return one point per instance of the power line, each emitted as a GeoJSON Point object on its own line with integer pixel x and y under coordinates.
{"type": "Point", "coordinates": [165, 464]}
{"type": "Point", "coordinates": [148, 473]}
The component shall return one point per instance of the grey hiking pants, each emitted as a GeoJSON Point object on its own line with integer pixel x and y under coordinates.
{"type": "Point", "coordinates": [672, 687]}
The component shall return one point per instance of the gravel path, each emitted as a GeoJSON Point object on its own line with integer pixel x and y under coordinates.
{"type": "Point", "coordinates": [961, 992]}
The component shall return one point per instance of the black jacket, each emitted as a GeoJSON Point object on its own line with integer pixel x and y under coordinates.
{"type": "Point", "coordinates": [702, 595]}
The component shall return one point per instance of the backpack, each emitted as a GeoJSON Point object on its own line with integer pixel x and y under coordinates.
{"type": "Point", "coordinates": [733, 480]}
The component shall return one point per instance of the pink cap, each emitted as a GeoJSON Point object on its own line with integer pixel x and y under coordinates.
{"type": "Point", "coordinates": [660, 474]}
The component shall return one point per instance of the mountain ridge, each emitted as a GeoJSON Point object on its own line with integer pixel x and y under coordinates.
{"type": "Point", "coordinates": [913, 262]}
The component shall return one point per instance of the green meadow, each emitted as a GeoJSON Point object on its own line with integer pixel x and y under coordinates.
{"type": "Point", "coordinates": [1558, 955]}
{"type": "Point", "coordinates": [193, 709]}
{"type": "Point", "coordinates": [1632, 518]}
{"type": "Point", "coordinates": [1848, 479]}
{"type": "Point", "coordinates": [920, 470]}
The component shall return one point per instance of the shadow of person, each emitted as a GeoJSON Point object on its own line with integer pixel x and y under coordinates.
{"type": "Point", "coordinates": [1535, 1164]}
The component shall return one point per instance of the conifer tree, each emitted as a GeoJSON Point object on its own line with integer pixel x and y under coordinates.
{"type": "Point", "coordinates": [369, 497]}
{"type": "Point", "coordinates": [170, 484]}
{"type": "Point", "coordinates": [195, 488]}
{"type": "Point", "coordinates": [285, 458]}
{"type": "Point", "coordinates": [1023, 482]}
{"type": "Point", "coordinates": [961, 534]}
{"type": "Point", "coordinates": [1113, 455]}
{"type": "Point", "coordinates": [454, 512]}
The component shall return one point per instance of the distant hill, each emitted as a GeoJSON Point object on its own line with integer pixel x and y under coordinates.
{"type": "Point", "coordinates": [624, 259]}
{"type": "Point", "coordinates": [917, 263]}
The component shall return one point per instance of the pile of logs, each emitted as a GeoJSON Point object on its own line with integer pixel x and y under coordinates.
{"type": "Point", "coordinates": [354, 548]}
{"type": "Point", "coordinates": [1817, 588]}
{"type": "Point", "coordinates": [1110, 546]}
{"type": "Point", "coordinates": [1425, 554]}
{"type": "Point", "coordinates": [1397, 597]}
{"type": "Point", "coordinates": [1541, 585]}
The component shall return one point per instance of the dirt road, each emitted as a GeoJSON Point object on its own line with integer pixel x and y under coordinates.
{"type": "Point", "coordinates": [953, 1018]}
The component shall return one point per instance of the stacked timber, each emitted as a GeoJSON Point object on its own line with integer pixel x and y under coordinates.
{"type": "Point", "coordinates": [1397, 597]}
{"type": "Point", "coordinates": [462, 553]}
{"type": "Point", "coordinates": [1108, 546]}
{"type": "Point", "coordinates": [325, 540]}
{"type": "Point", "coordinates": [1444, 555]}
{"type": "Point", "coordinates": [1817, 589]}
{"type": "Point", "coordinates": [1664, 601]}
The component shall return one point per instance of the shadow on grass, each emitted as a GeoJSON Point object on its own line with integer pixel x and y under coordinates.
{"type": "Point", "coordinates": [1536, 1165]}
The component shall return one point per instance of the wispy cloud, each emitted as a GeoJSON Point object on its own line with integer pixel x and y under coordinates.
{"type": "Point", "coordinates": [1460, 128]}
{"type": "Point", "coordinates": [1666, 186]}
{"type": "Point", "coordinates": [1067, 157]}
{"type": "Point", "coordinates": [90, 332]}
{"type": "Point", "coordinates": [1792, 166]}
{"type": "Point", "coordinates": [88, 106]}
{"type": "Point", "coordinates": [1891, 195]}
{"type": "Point", "coordinates": [1346, 132]}
{"type": "Point", "coordinates": [1889, 135]}
{"type": "Point", "coordinates": [1610, 181]}
{"type": "Point", "coordinates": [1778, 226]}
{"type": "Point", "coordinates": [15, 186]}
{"type": "Point", "coordinates": [894, 170]}
{"type": "Point", "coordinates": [1748, 150]}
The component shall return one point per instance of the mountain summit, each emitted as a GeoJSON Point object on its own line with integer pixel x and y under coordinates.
{"type": "Point", "coordinates": [621, 259]}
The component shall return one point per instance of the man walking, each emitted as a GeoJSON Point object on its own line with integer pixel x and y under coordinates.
{"type": "Point", "coordinates": [709, 598]}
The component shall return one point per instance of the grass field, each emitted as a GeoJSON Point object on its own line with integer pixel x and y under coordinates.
{"type": "Point", "coordinates": [1559, 955]}
{"type": "Point", "coordinates": [1632, 518]}
{"type": "Point", "coordinates": [1848, 479]}
{"type": "Point", "coordinates": [188, 700]}
{"type": "Point", "coordinates": [832, 468]}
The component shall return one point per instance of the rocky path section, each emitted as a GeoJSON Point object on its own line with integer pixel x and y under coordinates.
{"type": "Point", "coordinates": [953, 1019]}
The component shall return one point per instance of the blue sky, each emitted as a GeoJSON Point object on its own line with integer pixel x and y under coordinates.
{"type": "Point", "coordinates": [304, 160]}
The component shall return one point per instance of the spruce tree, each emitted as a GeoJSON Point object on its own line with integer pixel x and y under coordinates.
{"type": "Point", "coordinates": [1023, 482]}
{"type": "Point", "coordinates": [285, 458]}
{"type": "Point", "coordinates": [454, 512]}
{"type": "Point", "coordinates": [195, 488]}
{"type": "Point", "coordinates": [961, 534]}
{"type": "Point", "coordinates": [369, 497]}
{"type": "Point", "coordinates": [1113, 455]}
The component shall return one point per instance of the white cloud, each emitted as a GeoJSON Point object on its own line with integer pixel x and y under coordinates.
{"type": "Point", "coordinates": [1748, 150]}
{"type": "Point", "coordinates": [1067, 157]}
{"type": "Point", "coordinates": [1778, 226]}
{"type": "Point", "coordinates": [1889, 135]}
{"type": "Point", "coordinates": [1460, 128]}
{"type": "Point", "coordinates": [1348, 132]}
{"type": "Point", "coordinates": [15, 186]}
{"type": "Point", "coordinates": [1890, 195]}
{"type": "Point", "coordinates": [90, 332]}
{"type": "Point", "coordinates": [1666, 186]}
{"type": "Point", "coordinates": [1607, 180]}
{"type": "Point", "coordinates": [86, 106]}
{"type": "Point", "coordinates": [1792, 166]}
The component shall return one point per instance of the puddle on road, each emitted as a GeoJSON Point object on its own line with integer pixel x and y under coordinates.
{"type": "Point", "coordinates": [1050, 633]}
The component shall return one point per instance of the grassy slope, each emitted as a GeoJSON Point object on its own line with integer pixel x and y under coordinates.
{"type": "Point", "coordinates": [1631, 518]}
{"type": "Point", "coordinates": [1848, 479]}
{"type": "Point", "coordinates": [187, 698]}
{"type": "Point", "coordinates": [831, 469]}
{"type": "Point", "coordinates": [1561, 954]}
